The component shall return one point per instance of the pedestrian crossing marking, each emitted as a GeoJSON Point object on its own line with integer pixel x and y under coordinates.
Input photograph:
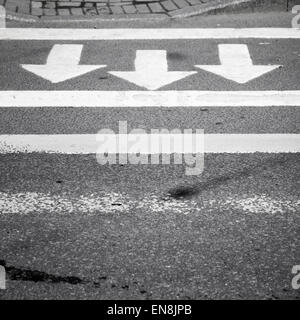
{"type": "Point", "coordinates": [214, 143]}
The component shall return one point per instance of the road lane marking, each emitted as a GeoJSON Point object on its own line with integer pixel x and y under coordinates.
{"type": "Point", "coordinates": [151, 70]}
{"type": "Point", "coordinates": [62, 64]}
{"type": "Point", "coordinates": [128, 99]}
{"type": "Point", "coordinates": [236, 64]}
{"type": "Point", "coordinates": [147, 33]}
{"type": "Point", "coordinates": [25, 203]}
{"type": "Point", "coordinates": [87, 143]}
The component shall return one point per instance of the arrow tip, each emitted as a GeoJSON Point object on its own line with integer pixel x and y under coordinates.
{"type": "Point", "coordinates": [152, 81]}
{"type": "Point", "coordinates": [59, 73]}
{"type": "Point", "coordinates": [238, 74]}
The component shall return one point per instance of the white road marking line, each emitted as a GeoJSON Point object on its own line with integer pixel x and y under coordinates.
{"type": "Point", "coordinates": [87, 143]}
{"type": "Point", "coordinates": [250, 143]}
{"type": "Point", "coordinates": [236, 64]}
{"type": "Point", "coordinates": [29, 202]}
{"type": "Point", "coordinates": [147, 33]}
{"type": "Point", "coordinates": [62, 64]}
{"type": "Point", "coordinates": [151, 70]}
{"type": "Point", "coordinates": [25, 203]}
{"type": "Point", "coordinates": [149, 98]}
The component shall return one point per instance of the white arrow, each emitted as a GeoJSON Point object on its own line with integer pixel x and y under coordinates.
{"type": "Point", "coordinates": [151, 70]}
{"type": "Point", "coordinates": [236, 64]}
{"type": "Point", "coordinates": [62, 64]}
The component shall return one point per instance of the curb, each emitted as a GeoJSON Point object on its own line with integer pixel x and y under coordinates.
{"type": "Point", "coordinates": [213, 7]}
{"type": "Point", "coordinates": [234, 6]}
{"type": "Point", "coordinates": [21, 17]}
{"type": "Point", "coordinates": [207, 7]}
{"type": "Point", "coordinates": [102, 17]}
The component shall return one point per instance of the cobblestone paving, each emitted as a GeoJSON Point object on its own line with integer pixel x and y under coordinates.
{"type": "Point", "coordinates": [40, 8]}
{"type": "Point", "coordinates": [96, 7]}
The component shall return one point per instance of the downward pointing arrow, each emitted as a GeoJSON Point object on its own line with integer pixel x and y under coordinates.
{"type": "Point", "coordinates": [236, 64]}
{"type": "Point", "coordinates": [62, 64]}
{"type": "Point", "coordinates": [151, 70]}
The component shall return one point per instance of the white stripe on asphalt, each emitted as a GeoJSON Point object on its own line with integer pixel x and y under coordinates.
{"type": "Point", "coordinates": [147, 34]}
{"type": "Point", "coordinates": [87, 143]}
{"type": "Point", "coordinates": [24, 203]}
{"type": "Point", "coordinates": [149, 98]}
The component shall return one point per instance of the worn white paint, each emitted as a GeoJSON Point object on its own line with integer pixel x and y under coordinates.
{"type": "Point", "coordinates": [260, 204]}
{"type": "Point", "coordinates": [88, 144]}
{"type": "Point", "coordinates": [25, 203]}
{"type": "Point", "coordinates": [62, 64]}
{"type": "Point", "coordinates": [147, 33]}
{"type": "Point", "coordinates": [170, 98]}
{"type": "Point", "coordinates": [236, 64]}
{"type": "Point", "coordinates": [151, 70]}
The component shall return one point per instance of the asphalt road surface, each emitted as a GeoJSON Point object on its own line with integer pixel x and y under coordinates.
{"type": "Point", "coordinates": [72, 228]}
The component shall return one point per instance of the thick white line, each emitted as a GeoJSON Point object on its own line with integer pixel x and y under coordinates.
{"type": "Point", "coordinates": [149, 98]}
{"type": "Point", "coordinates": [87, 143]}
{"type": "Point", "coordinates": [147, 34]}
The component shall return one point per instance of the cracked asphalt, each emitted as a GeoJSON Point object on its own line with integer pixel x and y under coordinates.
{"type": "Point", "coordinates": [72, 229]}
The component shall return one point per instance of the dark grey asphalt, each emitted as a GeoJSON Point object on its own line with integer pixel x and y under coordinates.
{"type": "Point", "coordinates": [150, 232]}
